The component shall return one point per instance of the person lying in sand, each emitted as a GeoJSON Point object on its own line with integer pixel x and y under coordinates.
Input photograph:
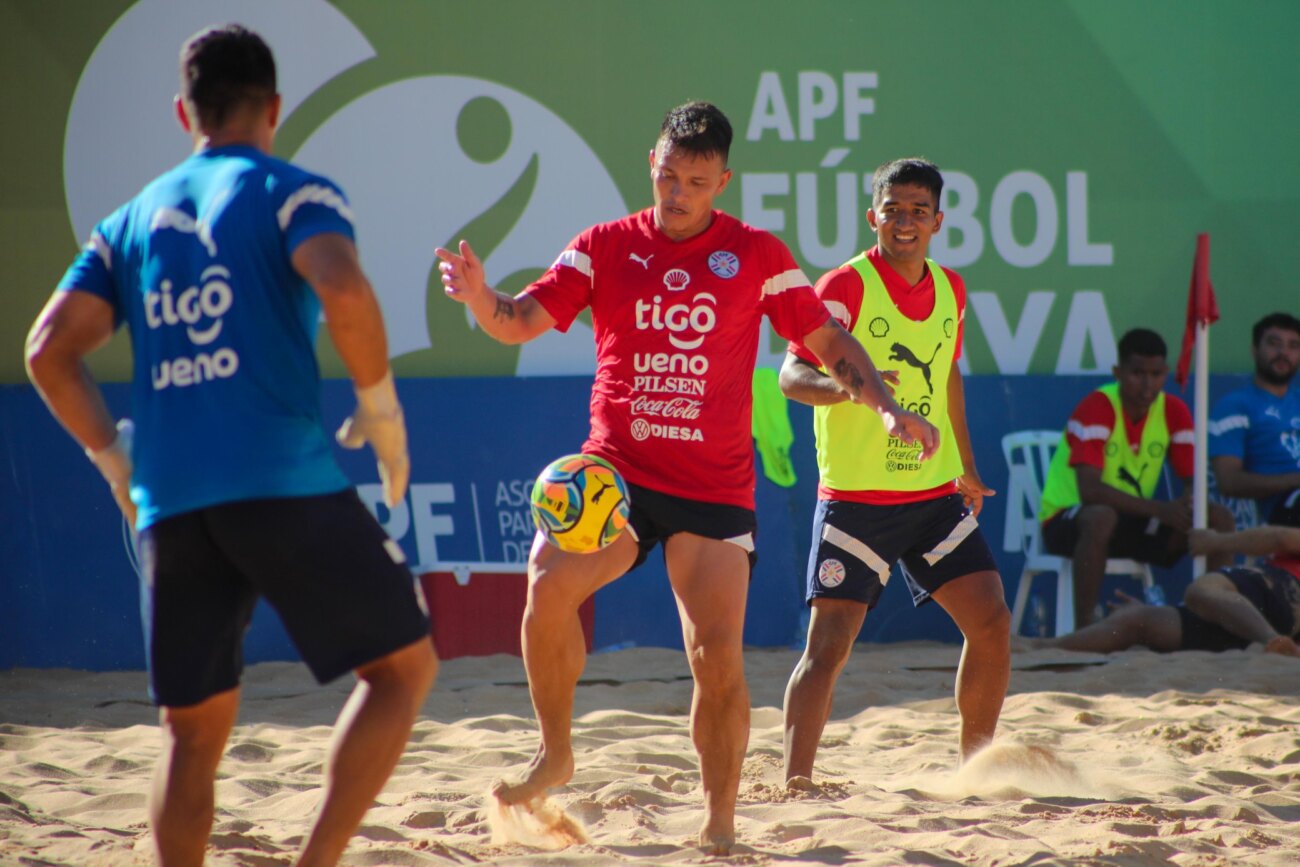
{"type": "Point", "coordinates": [1226, 609]}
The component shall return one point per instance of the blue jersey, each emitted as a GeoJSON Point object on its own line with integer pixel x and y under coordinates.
{"type": "Point", "coordinates": [226, 391]}
{"type": "Point", "coordinates": [1261, 429]}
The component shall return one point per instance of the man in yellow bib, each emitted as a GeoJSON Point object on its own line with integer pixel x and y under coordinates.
{"type": "Point", "coordinates": [1099, 496]}
{"type": "Point", "coordinates": [878, 502]}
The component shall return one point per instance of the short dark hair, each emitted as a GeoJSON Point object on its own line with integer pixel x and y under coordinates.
{"type": "Point", "coordinates": [910, 170]}
{"type": "Point", "coordinates": [224, 67]}
{"type": "Point", "coordinates": [1141, 341]}
{"type": "Point", "coordinates": [698, 128]}
{"type": "Point", "coordinates": [1273, 320]}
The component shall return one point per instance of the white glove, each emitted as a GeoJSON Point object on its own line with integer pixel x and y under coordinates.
{"type": "Point", "coordinates": [114, 463]}
{"type": "Point", "coordinates": [378, 421]}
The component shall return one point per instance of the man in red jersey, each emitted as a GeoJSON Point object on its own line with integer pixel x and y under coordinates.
{"type": "Point", "coordinates": [1225, 609]}
{"type": "Point", "coordinates": [879, 505]}
{"type": "Point", "coordinates": [677, 293]}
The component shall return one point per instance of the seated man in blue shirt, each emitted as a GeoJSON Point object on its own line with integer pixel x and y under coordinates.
{"type": "Point", "coordinates": [1255, 431]}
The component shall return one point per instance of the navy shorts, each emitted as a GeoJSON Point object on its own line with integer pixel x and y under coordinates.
{"type": "Point", "coordinates": [1135, 538]}
{"type": "Point", "coordinates": [855, 545]}
{"type": "Point", "coordinates": [1273, 591]}
{"type": "Point", "coordinates": [655, 516]}
{"type": "Point", "coordinates": [339, 584]}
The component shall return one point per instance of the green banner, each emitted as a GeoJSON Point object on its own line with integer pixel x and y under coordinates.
{"type": "Point", "coordinates": [1084, 144]}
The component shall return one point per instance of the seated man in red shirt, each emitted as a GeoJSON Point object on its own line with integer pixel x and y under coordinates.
{"type": "Point", "coordinates": [1099, 495]}
{"type": "Point", "coordinates": [1222, 610]}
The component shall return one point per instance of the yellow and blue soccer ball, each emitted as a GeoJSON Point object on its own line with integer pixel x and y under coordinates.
{"type": "Point", "coordinates": [579, 503]}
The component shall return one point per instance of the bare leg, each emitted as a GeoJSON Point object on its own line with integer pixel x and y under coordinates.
{"type": "Point", "coordinates": [976, 604]}
{"type": "Point", "coordinates": [832, 629]}
{"type": "Point", "coordinates": [1214, 597]}
{"type": "Point", "coordinates": [369, 738]}
{"type": "Point", "coordinates": [1130, 624]}
{"type": "Point", "coordinates": [1254, 541]}
{"type": "Point", "coordinates": [182, 802]}
{"type": "Point", "coordinates": [555, 652]}
{"type": "Point", "coordinates": [710, 579]}
{"type": "Point", "coordinates": [1096, 526]}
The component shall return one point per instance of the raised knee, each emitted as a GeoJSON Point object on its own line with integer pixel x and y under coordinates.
{"type": "Point", "coordinates": [1097, 520]}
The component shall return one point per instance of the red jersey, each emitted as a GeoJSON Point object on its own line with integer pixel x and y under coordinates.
{"type": "Point", "coordinates": [676, 325]}
{"type": "Point", "coordinates": [1093, 420]}
{"type": "Point", "coordinates": [842, 291]}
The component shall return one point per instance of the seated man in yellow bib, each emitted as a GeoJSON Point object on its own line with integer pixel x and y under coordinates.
{"type": "Point", "coordinates": [1099, 495]}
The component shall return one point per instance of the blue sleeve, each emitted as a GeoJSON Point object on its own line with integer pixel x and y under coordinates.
{"type": "Point", "coordinates": [1229, 423]}
{"type": "Point", "coordinates": [92, 271]}
{"type": "Point", "coordinates": [310, 205]}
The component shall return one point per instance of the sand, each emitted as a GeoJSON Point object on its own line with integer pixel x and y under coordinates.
{"type": "Point", "coordinates": [1133, 759]}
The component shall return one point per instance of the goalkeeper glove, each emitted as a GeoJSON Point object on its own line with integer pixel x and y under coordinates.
{"type": "Point", "coordinates": [114, 463]}
{"type": "Point", "coordinates": [378, 421]}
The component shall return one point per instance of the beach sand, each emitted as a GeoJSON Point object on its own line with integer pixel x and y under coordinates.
{"type": "Point", "coordinates": [1133, 759]}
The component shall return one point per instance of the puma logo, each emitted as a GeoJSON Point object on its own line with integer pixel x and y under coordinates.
{"type": "Point", "coordinates": [604, 485]}
{"type": "Point", "coordinates": [899, 352]}
{"type": "Point", "coordinates": [1127, 478]}
{"type": "Point", "coordinates": [645, 263]}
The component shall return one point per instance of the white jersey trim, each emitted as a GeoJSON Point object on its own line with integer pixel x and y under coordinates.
{"type": "Point", "coordinates": [1184, 436]}
{"type": "Point", "coordinates": [316, 194]}
{"type": "Point", "coordinates": [839, 310]}
{"type": "Point", "coordinates": [1230, 423]}
{"type": "Point", "coordinates": [778, 283]}
{"type": "Point", "coordinates": [100, 248]}
{"type": "Point", "coordinates": [575, 259]}
{"type": "Point", "coordinates": [1089, 433]}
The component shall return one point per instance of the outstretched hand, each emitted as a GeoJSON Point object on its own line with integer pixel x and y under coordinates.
{"type": "Point", "coordinates": [462, 275]}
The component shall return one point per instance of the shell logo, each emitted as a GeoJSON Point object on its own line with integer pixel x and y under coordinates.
{"type": "Point", "coordinates": [676, 280]}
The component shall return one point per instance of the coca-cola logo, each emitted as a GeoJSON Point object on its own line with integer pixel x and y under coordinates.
{"type": "Point", "coordinates": [676, 407]}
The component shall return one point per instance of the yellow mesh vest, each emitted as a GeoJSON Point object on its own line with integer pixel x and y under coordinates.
{"type": "Point", "coordinates": [854, 452]}
{"type": "Point", "coordinates": [1135, 474]}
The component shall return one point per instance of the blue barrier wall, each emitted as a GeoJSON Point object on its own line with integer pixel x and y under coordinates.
{"type": "Point", "coordinates": [68, 592]}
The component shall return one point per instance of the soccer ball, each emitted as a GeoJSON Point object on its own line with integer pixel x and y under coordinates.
{"type": "Point", "coordinates": [579, 503]}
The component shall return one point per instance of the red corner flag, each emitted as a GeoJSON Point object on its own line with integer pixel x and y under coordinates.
{"type": "Point", "coordinates": [1202, 308]}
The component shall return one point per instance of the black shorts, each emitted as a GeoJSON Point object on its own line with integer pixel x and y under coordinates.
{"type": "Point", "coordinates": [855, 545]}
{"type": "Point", "coordinates": [1143, 539]}
{"type": "Point", "coordinates": [339, 584]}
{"type": "Point", "coordinates": [1274, 592]}
{"type": "Point", "coordinates": [655, 516]}
{"type": "Point", "coordinates": [1286, 513]}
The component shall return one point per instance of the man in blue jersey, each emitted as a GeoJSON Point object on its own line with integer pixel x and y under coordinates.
{"type": "Point", "coordinates": [1255, 431]}
{"type": "Point", "coordinates": [220, 269]}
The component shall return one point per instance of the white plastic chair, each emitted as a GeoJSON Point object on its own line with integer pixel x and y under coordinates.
{"type": "Point", "coordinates": [1028, 454]}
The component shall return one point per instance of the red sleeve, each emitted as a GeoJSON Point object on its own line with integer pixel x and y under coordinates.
{"type": "Point", "coordinates": [841, 292]}
{"type": "Point", "coordinates": [959, 295]}
{"type": "Point", "coordinates": [1182, 436]}
{"type": "Point", "coordinates": [1088, 429]}
{"type": "Point", "coordinates": [788, 299]}
{"type": "Point", "coordinates": [564, 290]}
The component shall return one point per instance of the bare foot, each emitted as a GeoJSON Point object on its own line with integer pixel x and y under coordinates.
{"type": "Point", "coordinates": [543, 772]}
{"type": "Point", "coordinates": [1283, 645]}
{"type": "Point", "coordinates": [800, 783]}
{"type": "Point", "coordinates": [717, 836]}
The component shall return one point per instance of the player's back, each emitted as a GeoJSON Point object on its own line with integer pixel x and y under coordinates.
{"type": "Point", "coordinates": [226, 385]}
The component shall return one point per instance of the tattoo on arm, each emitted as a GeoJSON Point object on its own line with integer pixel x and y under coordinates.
{"type": "Point", "coordinates": [505, 309]}
{"type": "Point", "coordinates": [846, 373]}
